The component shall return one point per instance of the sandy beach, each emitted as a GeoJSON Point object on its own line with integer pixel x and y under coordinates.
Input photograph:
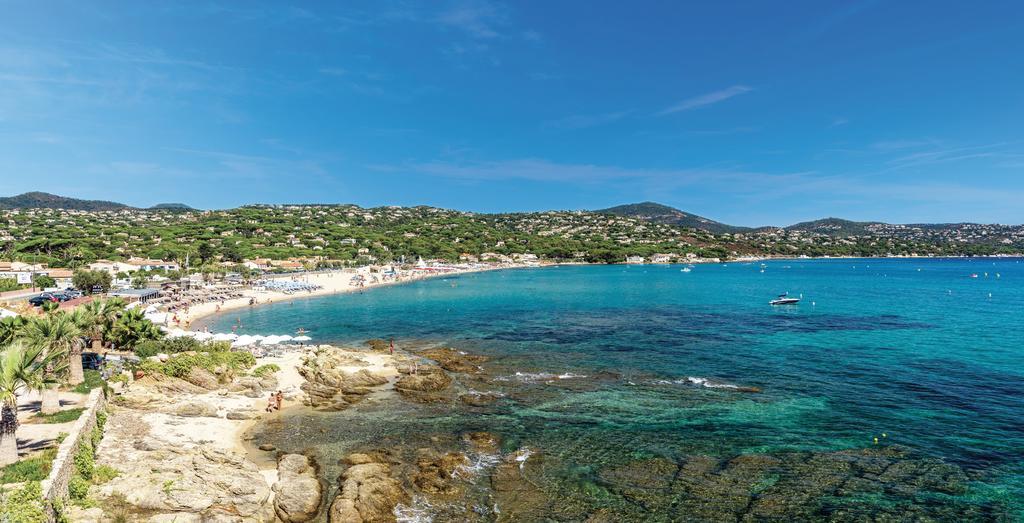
{"type": "Point", "coordinates": [334, 282]}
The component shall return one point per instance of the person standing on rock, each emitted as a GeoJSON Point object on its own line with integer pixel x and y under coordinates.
{"type": "Point", "coordinates": [278, 399]}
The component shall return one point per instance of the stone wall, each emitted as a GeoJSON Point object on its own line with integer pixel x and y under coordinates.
{"type": "Point", "coordinates": [55, 486]}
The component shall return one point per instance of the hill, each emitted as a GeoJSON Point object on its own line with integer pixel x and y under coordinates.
{"type": "Point", "coordinates": [658, 213]}
{"type": "Point", "coordinates": [172, 207]}
{"type": "Point", "coordinates": [834, 227]}
{"type": "Point", "coordinates": [42, 200]}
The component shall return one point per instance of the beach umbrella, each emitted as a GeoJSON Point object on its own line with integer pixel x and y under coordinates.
{"type": "Point", "coordinates": [270, 340]}
{"type": "Point", "coordinates": [244, 339]}
{"type": "Point", "coordinates": [284, 337]}
{"type": "Point", "coordinates": [223, 336]}
{"type": "Point", "coordinates": [302, 338]}
{"type": "Point", "coordinates": [176, 333]}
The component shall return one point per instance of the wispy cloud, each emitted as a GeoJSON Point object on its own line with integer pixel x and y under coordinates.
{"type": "Point", "coordinates": [581, 121]}
{"type": "Point", "coordinates": [705, 100]}
{"type": "Point", "coordinates": [332, 71]}
{"type": "Point", "coordinates": [478, 18]}
{"type": "Point", "coordinates": [838, 122]}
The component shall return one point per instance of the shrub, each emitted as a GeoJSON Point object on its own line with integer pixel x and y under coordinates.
{"type": "Point", "coordinates": [148, 348]}
{"type": "Point", "coordinates": [103, 474]}
{"type": "Point", "coordinates": [78, 488]}
{"type": "Point", "coordinates": [24, 505]}
{"type": "Point", "coordinates": [84, 460]}
{"type": "Point", "coordinates": [180, 365]}
{"type": "Point", "coordinates": [265, 370]}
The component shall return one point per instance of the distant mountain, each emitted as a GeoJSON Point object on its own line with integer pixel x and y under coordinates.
{"type": "Point", "coordinates": [172, 207]}
{"type": "Point", "coordinates": [658, 213]}
{"type": "Point", "coordinates": [42, 200]}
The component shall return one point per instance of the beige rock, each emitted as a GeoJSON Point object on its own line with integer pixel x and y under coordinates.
{"type": "Point", "coordinates": [298, 491]}
{"type": "Point", "coordinates": [195, 408]}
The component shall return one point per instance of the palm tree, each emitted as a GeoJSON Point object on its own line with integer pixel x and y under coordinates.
{"type": "Point", "coordinates": [97, 318]}
{"type": "Point", "coordinates": [21, 369]}
{"type": "Point", "coordinates": [133, 327]}
{"type": "Point", "coordinates": [11, 328]}
{"type": "Point", "coordinates": [57, 334]}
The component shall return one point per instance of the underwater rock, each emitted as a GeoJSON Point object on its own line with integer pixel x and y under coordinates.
{"type": "Point", "coordinates": [516, 496]}
{"type": "Point", "coordinates": [797, 486]}
{"type": "Point", "coordinates": [482, 442]}
{"type": "Point", "coordinates": [438, 473]}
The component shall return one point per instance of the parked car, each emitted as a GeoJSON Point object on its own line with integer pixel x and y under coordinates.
{"type": "Point", "coordinates": [91, 361]}
{"type": "Point", "coordinates": [42, 298]}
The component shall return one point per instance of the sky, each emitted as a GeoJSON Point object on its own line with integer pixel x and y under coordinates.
{"type": "Point", "coordinates": [750, 113]}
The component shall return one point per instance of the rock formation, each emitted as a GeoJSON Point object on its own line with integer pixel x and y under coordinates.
{"type": "Point", "coordinates": [297, 493]}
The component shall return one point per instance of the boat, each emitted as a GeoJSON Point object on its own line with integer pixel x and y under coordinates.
{"type": "Point", "coordinates": [685, 269]}
{"type": "Point", "coordinates": [784, 299]}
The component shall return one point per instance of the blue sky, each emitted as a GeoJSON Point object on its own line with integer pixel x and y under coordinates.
{"type": "Point", "coordinates": [749, 113]}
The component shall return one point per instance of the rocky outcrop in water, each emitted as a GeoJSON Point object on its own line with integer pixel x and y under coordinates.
{"type": "Point", "coordinates": [453, 360]}
{"type": "Point", "coordinates": [297, 493]}
{"type": "Point", "coordinates": [427, 385]}
{"type": "Point", "coordinates": [329, 386]}
{"type": "Point", "coordinates": [368, 491]}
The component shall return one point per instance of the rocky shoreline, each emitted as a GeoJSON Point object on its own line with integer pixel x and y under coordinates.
{"type": "Point", "coordinates": [191, 450]}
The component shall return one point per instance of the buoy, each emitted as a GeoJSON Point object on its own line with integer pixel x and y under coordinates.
{"type": "Point", "coordinates": [876, 441]}
{"type": "Point", "coordinates": [884, 435]}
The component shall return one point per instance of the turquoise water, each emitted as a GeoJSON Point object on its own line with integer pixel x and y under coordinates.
{"type": "Point", "coordinates": [912, 348]}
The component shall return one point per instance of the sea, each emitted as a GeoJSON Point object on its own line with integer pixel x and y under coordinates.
{"type": "Point", "coordinates": [894, 390]}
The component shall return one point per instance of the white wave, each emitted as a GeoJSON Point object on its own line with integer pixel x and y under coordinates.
{"type": "Point", "coordinates": [522, 455]}
{"type": "Point", "coordinates": [419, 510]}
{"type": "Point", "coordinates": [540, 376]}
{"type": "Point", "coordinates": [697, 380]}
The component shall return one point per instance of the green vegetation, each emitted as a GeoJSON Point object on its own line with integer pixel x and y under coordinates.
{"type": "Point", "coordinates": [86, 281]}
{"type": "Point", "coordinates": [93, 380]}
{"type": "Point", "coordinates": [86, 472]}
{"type": "Point", "coordinates": [179, 366]}
{"type": "Point", "coordinates": [178, 345]}
{"type": "Point", "coordinates": [25, 505]}
{"type": "Point", "coordinates": [35, 468]}
{"type": "Point", "coordinates": [63, 416]}
{"type": "Point", "coordinates": [43, 281]}
{"type": "Point", "coordinates": [265, 370]}
{"type": "Point", "coordinates": [344, 235]}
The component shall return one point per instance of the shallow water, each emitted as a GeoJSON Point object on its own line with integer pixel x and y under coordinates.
{"type": "Point", "coordinates": [607, 365]}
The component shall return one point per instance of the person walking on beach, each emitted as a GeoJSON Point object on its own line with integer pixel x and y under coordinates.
{"type": "Point", "coordinates": [278, 399]}
{"type": "Point", "coordinates": [392, 346]}
{"type": "Point", "coordinates": [271, 402]}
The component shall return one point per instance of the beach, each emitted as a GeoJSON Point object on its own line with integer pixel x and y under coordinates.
{"type": "Point", "coordinates": [330, 282]}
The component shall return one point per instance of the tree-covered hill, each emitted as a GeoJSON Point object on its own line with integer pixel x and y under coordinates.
{"type": "Point", "coordinates": [42, 200]}
{"type": "Point", "coordinates": [658, 213]}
